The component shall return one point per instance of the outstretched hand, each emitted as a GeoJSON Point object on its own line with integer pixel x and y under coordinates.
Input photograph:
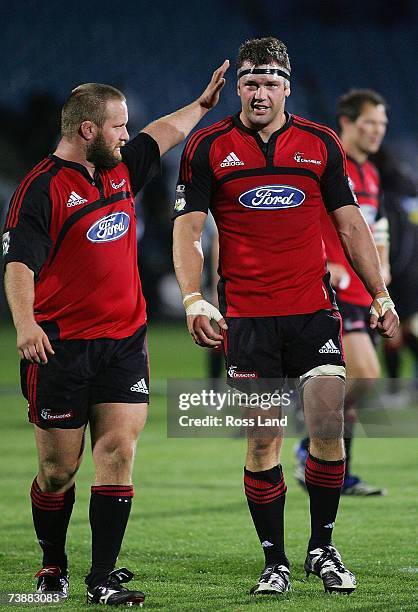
{"type": "Point", "coordinates": [210, 96]}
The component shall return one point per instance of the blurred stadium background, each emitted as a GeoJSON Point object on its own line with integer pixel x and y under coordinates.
{"type": "Point", "coordinates": [161, 55]}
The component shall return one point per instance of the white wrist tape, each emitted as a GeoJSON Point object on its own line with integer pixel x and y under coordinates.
{"type": "Point", "coordinates": [202, 307]}
{"type": "Point", "coordinates": [381, 232]}
{"type": "Point", "coordinates": [381, 305]}
{"type": "Point", "coordinates": [189, 295]}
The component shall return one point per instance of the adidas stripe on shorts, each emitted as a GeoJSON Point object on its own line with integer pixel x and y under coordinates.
{"type": "Point", "coordinates": [83, 373]}
{"type": "Point", "coordinates": [260, 348]}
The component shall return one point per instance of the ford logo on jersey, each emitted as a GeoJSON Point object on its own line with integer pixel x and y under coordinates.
{"type": "Point", "coordinates": [111, 227]}
{"type": "Point", "coordinates": [272, 197]}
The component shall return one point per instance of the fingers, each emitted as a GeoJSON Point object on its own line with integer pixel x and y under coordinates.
{"type": "Point", "coordinates": [202, 332]}
{"type": "Point", "coordinates": [388, 325]}
{"type": "Point", "coordinates": [35, 347]}
{"type": "Point", "coordinates": [219, 72]}
{"type": "Point", "coordinates": [222, 324]}
{"type": "Point", "coordinates": [47, 345]}
{"type": "Point", "coordinates": [373, 321]}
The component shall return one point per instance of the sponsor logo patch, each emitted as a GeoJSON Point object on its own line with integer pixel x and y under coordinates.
{"type": "Point", "coordinates": [233, 373]}
{"type": "Point", "coordinates": [109, 228]}
{"type": "Point", "coordinates": [231, 160]}
{"type": "Point", "coordinates": [6, 243]}
{"type": "Point", "coordinates": [140, 387]}
{"type": "Point", "coordinates": [301, 159]}
{"type": "Point", "coordinates": [272, 197]}
{"type": "Point", "coordinates": [329, 347]}
{"type": "Point", "coordinates": [75, 200]}
{"type": "Point", "coordinates": [47, 416]}
{"type": "Point", "coordinates": [180, 202]}
{"type": "Point", "coordinates": [117, 185]}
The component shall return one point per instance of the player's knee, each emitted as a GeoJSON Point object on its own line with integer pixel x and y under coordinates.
{"type": "Point", "coordinates": [55, 476]}
{"type": "Point", "coordinates": [262, 446]}
{"type": "Point", "coordinates": [115, 453]}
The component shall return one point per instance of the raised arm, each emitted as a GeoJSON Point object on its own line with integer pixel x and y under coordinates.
{"type": "Point", "coordinates": [172, 129]}
{"type": "Point", "coordinates": [188, 265]}
{"type": "Point", "coordinates": [361, 252]}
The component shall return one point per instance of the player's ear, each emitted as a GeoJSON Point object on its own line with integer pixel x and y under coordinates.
{"type": "Point", "coordinates": [88, 130]}
{"type": "Point", "coordinates": [287, 91]}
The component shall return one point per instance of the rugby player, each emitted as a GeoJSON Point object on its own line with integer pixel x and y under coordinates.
{"type": "Point", "coordinates": [266, 176]}
{"type": "Point", "coordinates": [74, 291]}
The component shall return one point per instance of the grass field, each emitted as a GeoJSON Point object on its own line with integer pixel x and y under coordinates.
{"type": "Point", "coordinates": [190, 541]}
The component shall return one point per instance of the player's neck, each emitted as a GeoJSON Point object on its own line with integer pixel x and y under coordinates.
{"type": "Point", "coordinates": [269, 129]}
{"type": "Point", "coordinates": [71, 151]}
{"type": "Point", "coordinates": [353, 151]}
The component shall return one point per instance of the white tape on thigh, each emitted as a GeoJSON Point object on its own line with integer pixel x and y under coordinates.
{"type": "Point", "coordinates": [323, 370]}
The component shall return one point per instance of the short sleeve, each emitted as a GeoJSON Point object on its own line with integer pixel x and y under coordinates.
{"type": "Point", "coordinates": [26, 236]}
{"type": "Point", "coordinates": [194, 187]}
{"type": "Point", "coordinates": [335, 185]}
{"type": "Point", "coordinates": [142, 158]}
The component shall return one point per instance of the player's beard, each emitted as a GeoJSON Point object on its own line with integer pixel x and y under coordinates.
{"type": "Point", "coordinates": [100, 154]}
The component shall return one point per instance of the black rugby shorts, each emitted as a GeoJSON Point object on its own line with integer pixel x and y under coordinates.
{"type": "Point", "coordinates": [83, 373]}
{"type": "Point", "coordinates": [261, 350]}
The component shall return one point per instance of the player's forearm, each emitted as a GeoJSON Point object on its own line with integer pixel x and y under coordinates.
{"type": "Point", "coordinates": [362, 254]}
{"type": "Point", "coordinates": [20, 292]}
{"type": "Point", "coordinates": [187, 258]}
{"type": "Point", "coordinates": [174, 128]}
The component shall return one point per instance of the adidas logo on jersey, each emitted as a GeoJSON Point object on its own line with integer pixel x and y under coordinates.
{"type": "Point", "coordinates": [231, 160]}
{"type": "Point", "coordinates": [75, 199]}
{"type": "Point", "coordinates": [140, 386]}
{"type": "Point", "coordinates": [329, 347]}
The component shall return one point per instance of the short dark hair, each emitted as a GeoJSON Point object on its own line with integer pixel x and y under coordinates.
{"type": "Point", "coordinates": [259, 51]}
{"type": "Point", "coordinates": [351, 104]}
{"type": "Point", "coordinates": [87, 103]}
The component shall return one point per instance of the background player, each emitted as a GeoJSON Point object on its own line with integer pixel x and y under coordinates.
{"type": "Point", "coordinates": [362, 119]}
{"type": "Point", "coordinates": [73, 288]}
{"type": "Point", "coordinates": [266, 176]}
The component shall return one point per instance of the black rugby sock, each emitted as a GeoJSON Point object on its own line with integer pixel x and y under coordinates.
{"type": "Point", "coordinates": [266, 496]}
{"type": "Point", "coordinates": [110, 506]}
{"type": "Point", "coordinates": [51, 514]}
{"type": "Point", "coordinates": [324, 480]}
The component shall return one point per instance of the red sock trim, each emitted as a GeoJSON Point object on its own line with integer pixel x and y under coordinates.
{"type": "Point", "coordinates": [113, 490]}
{"type": "Point", "coordinates": [262, 492]}
{"type": "Point", "coordinates": [51, 501]}
{"type": "Point", "coordinates": [328, 474]}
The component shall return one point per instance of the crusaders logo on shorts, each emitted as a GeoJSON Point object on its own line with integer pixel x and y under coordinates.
{"type": "Point", "coordinates": [47, 416]}
{"type": "Point", "coordinates": [233, 373]}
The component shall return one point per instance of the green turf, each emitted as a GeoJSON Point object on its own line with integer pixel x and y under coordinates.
{"type": "Point", "coordinates": [190, 540]}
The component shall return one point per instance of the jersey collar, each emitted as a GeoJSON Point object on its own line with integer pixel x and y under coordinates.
{"type": "Point", "coordinates": [76, 166]}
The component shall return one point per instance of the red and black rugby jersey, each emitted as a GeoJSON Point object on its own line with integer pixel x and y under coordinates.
{"type": "Point", "coordinates": [78, 235]}
{"type": "Point", "coordinates": [266, 199]}
{"type": "Point", "coordinates": [365, 182]}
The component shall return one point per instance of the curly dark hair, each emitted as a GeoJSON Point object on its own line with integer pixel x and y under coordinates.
{"type": "Point", "coordinates": [351, 104]}
{"type": "Point", "coordinates": [259, 51]}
